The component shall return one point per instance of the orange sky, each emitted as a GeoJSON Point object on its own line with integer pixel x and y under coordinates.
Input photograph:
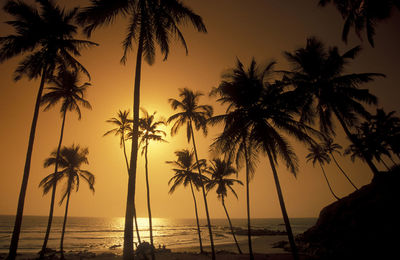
{"type": "Point", "coordinates": [236, 28]}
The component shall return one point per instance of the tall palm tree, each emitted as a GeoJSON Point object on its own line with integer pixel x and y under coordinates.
{"type": "Point", "coordinates": [149, 132]}
{"type": "Point", "coordinates": [220, 171]}
{"type": "Point", "coordinates": [331, 147]}
{"type": "Point", "coordinates": [70, 161]}
{"type": "Point", "coordinates": [197, 115]}
{"type": "Point", "coordinates": [185, 175]}
{"type": "Point", "coordinates": [240, 89]}
{"type": "Point", "coordinates": [324, 90]}
{"type": "Point", "coordinates": [151, 23]}
{"type": "Point", "coordinates": [268, 112]}
{"type": "Point", "coordinates": [320, 155]}
{"type": "Point", "coordinates": [274, 115]}
{"type": "Point", "coordinates": [46, 38]}
{"type": "Point", "coordinates": [123, 125]}
{"type": "Point", "coordinates": [66, 90]}
{"type": "Point", "coordinates": [123, 128]}
{"type": "Point", "coordinates": [363, 14]}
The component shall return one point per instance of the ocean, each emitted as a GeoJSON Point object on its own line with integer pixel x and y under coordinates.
{"type": "Point", "coordinates": [99, 234]}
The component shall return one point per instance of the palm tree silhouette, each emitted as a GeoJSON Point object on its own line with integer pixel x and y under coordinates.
{"type": "Point", "coordinates": [149, 132]}
{"type": "Point", "coordinates": [123, 125]}
{"type": "Point", "coordinates": [323, 89]}
{"type": "Point", "coordinates": [240, 89]}
{"type": "Point", "coordinates": [45, 36]}
{"type": "Point", "coordinates": [363, 14]}
{"type": "Point", "coordinates": [266, 113]}
{"type": "Point", "coordinates": [197, 115]}
{"type": "Point", "coordinates": [369, 143]}
{"type": "Point", "coordinates": [151, 23]}
{"type": "Point", "coordinates": [386, 127]}
{"type": "Point", "coordinates": [123, 128]}
{"type": "Point", "coordinates": [185, 175]}
{"type": "Point", "coordinates": [220, 171]}
{"type": "Point", "coordinates": [70, 161]}
{"type": "Point", "coordinates": [66, 90]}
{"type": "Point", "coordinates": [320, 155]}
{"type": "Point", "coordinates": [331, 147]}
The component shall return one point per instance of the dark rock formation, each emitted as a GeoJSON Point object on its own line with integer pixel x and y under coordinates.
{"type": "Point", "coordinates": [363, 225]}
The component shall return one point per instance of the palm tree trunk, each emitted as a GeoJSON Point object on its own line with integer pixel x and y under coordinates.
{"type": "Point", "coordinates": [204, 193]}
{"type": "Point", "coordinates": [356, 143]}
{"type": "Point", "coordinates": [283, 208]}
{"type": "Point", "coordinates": [127, 168]}
{"type": "Point", "coordinates": [385, 164]}
{"type": "Point", "coordinates": [53, 192]}
{"type": "Point", "coordinates": [63, 228]}
{"type": "Point", "coordinates": [327, 181]}
{"type": "Point", "coordinates": [21, 200]}
{"type": "Point", "coordinates": [128, 253]}
{"type": "Point", "coordinates": [391, 159]}
{"type": "Point", "coordinates": [124, 149]}
{"type": "Point", "coordinates": [230, 225]}
{"type": "Point", "coordinates": [248, 202]}
{"type": "Point", "coordinates": [197, 219]}
{"type": "Point", "coordinates": [340, 168]}
{"type": "Point", "coordinates": [148, 201]}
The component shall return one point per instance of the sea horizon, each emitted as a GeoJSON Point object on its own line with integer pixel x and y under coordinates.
{"type": "Point", "coordinates": [102, 233]}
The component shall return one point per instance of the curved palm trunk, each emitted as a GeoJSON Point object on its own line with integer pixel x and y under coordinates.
{"type": "Point", "coordinates": [391, 159]}
{"type": "Point", "coordinates": [148, 201]}
{"type": "Point", "coordinates": [53, 192]}
{"type": "Point", "coordinates": [204, 194]}
{"type": "Point", "coordinates": [340, 168]}
{"type": "Point", "coordinates": [283, 208]}
{"type": "Point", "coordinates": [64, 225]}
{"type": "Point", "coordinates": [21, 200]}
{"type": "Point", "coordinates": [127, 168]}
{"type": "Point", "coordinates": [128, 253]}
{"type": "Point", "coordinates": [327, 181]}
{"type": "Point", "coordinates": [385, 164]}
{"type": "Point", "coordinates": [356, 143]}
{"type": "Point", "coordinates": [197, 218]}
{"type": "Point", "coordinates": [230, 225]}
{"type": "Point", "coordinates": [248, 203]}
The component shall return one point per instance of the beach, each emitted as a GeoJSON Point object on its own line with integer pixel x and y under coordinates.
{"type": "Point", "coordinates": [262, 248]}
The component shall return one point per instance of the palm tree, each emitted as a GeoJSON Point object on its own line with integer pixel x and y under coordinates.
{"type": "Point", "coordinates": [197, 115]}
{"type": "Point", "coordinates": [185, 175]}
{"type": "Point", "coordinates": [324, 90]}
{"type": "Point", "coordinates": [123, 125]}
{"type": "Point", "coordinates": [363, 14]}
{"type": "Point", "coordinates": [123, 128]}
{"type": "Point", "coordinates": [369, 143]}
{"type": "Point", "coordinates": [240, 89]}
{"type": "Point", "coordinates": [320, 155]}
{"type": "Point", "coordinates": [386, 127]}
{"type": "Point", "coordinates": [45, 36]}
{"type": "Point", "coordinates": [268, 111]}
{"type": "Point", "coordinates": [71, 95]}
{"type": "Point", "coordinates": [220, 171]}
{"type": "Point", "coordinates": [151, 23]}
{"type": "Point", "coordinates": [331, 147]}
{"type": "Point", "coordinates": [149, 132]}
{"type": "Point", "coordinates": [70, 161]}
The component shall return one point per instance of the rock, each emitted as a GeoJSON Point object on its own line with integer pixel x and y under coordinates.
{"type": "Point", "coordinates": [363, 225]}
{"type": "Point", "coordinates": [259, 232]}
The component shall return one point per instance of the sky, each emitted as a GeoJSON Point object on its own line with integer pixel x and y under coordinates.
{"type": "Point", "coordinates": [262, 29]}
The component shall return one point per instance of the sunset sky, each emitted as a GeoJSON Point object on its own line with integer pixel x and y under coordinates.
{"type": "Point", "coordinates": [236, 29]}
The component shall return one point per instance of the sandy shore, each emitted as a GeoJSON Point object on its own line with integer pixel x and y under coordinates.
{"type": "Point", "coordinates": [262, 248]}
